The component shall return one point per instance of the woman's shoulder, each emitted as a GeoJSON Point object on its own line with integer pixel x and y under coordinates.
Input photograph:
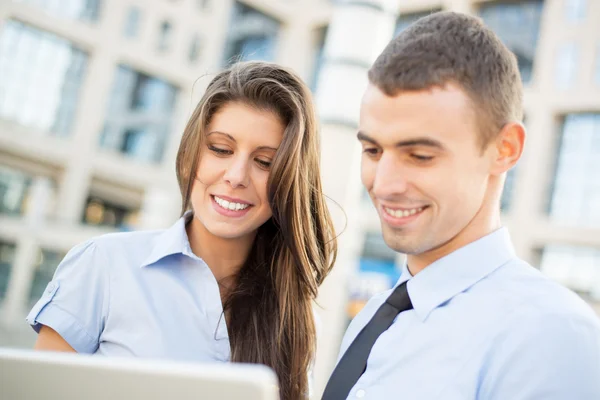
{"type": "Point", "coordinates": [118, 249]}
{"type": "Point", "coordinates": [125, 241]}
{"type": "Point", "coordinates": [130, 249]}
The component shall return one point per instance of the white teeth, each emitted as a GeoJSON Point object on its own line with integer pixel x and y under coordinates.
{"type": "Point", "coordinates": [229, 205]}
{"type": "Point", "coordinates": [402, 213]}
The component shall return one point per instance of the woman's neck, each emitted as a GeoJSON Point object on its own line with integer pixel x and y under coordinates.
{"type": "Point", "coordinates": [224, 257]}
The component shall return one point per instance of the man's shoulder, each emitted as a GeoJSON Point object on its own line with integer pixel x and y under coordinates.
{"type": "Point", "coordinates": [531, 296]}
{"type": "Point", "coordinates": [545, 340]}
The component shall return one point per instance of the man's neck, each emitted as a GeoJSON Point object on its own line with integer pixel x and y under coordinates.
{"type": "Point", "coordinates": [478, 228]}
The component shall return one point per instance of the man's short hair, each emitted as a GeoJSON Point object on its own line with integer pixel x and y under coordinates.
{"type": "Point", "coordinates": [449, 47]}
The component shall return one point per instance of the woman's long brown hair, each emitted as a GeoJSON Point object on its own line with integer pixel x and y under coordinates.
{"type": "Point", "coordinates": [270, 316]}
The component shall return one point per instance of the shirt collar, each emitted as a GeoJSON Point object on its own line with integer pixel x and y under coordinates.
{"type": "Point", "coordinates": [456, 272]}
{"type": "Point", "coordinates": [171, 241]}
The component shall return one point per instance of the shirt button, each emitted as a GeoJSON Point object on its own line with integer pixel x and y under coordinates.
{"type": "Point", "coordinates": [360, 393]}
{"type": "Point", "coordinates": [50, 287]}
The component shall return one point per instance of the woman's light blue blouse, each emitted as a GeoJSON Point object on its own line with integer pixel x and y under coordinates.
{"type": "Point", "coordinates": [139, 294]}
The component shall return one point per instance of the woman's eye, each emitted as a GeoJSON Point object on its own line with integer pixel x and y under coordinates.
{"type": "Point", "coordinates": [263, 163]}
{"type": "Point", "coordinates": [219, 150]}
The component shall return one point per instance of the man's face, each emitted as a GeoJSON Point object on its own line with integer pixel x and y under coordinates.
{"type": "Point", "coordinates": [423, 166]}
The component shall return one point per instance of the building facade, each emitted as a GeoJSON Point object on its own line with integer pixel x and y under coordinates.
{"type": "Point", "coordinates": [94, 95]}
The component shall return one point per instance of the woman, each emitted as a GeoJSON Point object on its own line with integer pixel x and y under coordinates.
{"type": "Point", "coordinates": [253, 245]}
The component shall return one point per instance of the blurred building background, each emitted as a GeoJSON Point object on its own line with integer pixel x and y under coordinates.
{"type": "Point", "coordinates": [94, 95]}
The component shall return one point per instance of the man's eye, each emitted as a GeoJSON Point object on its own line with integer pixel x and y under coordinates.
{"type": "Point", "coordinates": [421, 157]}
{"type": "Point", "coordinates": [370, 151]}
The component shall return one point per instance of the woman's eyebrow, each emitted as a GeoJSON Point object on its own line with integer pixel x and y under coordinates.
{"type": "Point", "coordinates": [266, 148]}
{"type": "Point", "coordinates": [221, 133]}
{"type": "Point", "coordinates": [233, 140]}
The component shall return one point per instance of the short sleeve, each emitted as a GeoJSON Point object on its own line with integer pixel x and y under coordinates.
{"type": "Point", "coordinates": [75, 302]}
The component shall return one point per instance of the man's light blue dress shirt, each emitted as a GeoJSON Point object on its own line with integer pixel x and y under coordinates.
{"type": "Point", "coordinates": [139, 294]}
{"type": "Point", "coordinates": [487, 326]}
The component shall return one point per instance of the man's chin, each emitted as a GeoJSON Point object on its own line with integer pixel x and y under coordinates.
{"type": "Point", "coordinates": [401, 245]}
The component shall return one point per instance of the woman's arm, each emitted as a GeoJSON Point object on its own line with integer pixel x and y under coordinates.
{"type": "Point", "coordinates": [70, 314]}
{"type": "Point", "coordinates": [49, 339]}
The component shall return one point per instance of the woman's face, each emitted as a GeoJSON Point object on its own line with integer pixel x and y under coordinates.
{"type": "Point", "coordinates": [229, 195]}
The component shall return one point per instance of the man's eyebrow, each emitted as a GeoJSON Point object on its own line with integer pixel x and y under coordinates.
{"type": "Point", "coordinates": [423, 141]}
{"type": "Point", "coordinates": [363, 137]}
{"type": "Point", "coordinates": [419, 141]}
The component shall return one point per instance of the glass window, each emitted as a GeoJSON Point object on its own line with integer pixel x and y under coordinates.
{"type": "Point", "coordinates": [597, 66]}
{"type": "Point", "coordinates": [83, 10]}
{"type": "Point", "coordinates": [45, 267]}
{"type": "Point", "coordinates": [364, 195]}
{"type": "Point", "coordinates": [576, 267]}
{"type": "Point", "coordinates": [41, 78]}
{"type": "Point", "coordinates": [406, 19]}
{"type": "Point", "coordinates": [566, 65]}
{"type": "Point", "coordinates": [150, 93]}
{"type": "Point", "coordinates": [375, 248]}
{"type": "Point", "coordinates": [575, 194]}
{"type": "Point", "coordinates": [14, 186]}
{"type": "Point", "coordinates": [139, 117]}
{"type": "Point", "coordinates": [195, 49]}
{"type": "Point", "coordinates": [509, 185]}
{"type": "Point", "coordinates": [164, 38]}
{"type": "Point", "coordinates": [319, 56]}
{"type": "Point", "coordinates": [575, 10]}
{"type": "Point", "coordinates": [518, 26]}
{"type": "Point", "coordinates": [132, 23]}
{"type": "Point", "coordinates": [252, 35]}
{"type": "Point", "coordinates": [507, 194]}
{"type": "Point", "coordinates": [7, 259]}
{"type": "Point", "coordinates": [377, 272]}
{"type": "Point", "coordinates": [102, 213]}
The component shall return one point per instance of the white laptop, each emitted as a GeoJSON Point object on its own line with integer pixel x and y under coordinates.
{"type": "Point", "coordinates": [28, 375]}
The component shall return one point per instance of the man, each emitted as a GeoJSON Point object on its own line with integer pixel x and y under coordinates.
{"type": "Point", "coordinates": [440, 126]}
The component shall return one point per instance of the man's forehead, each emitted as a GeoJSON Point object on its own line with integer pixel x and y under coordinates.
{"type": "Point", "coordinates": [432, 111]}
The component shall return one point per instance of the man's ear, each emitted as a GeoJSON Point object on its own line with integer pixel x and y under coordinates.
{"type": "Point", "coordinates": [508, 147]}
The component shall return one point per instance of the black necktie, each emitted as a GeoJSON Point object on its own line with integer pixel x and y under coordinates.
{"type": "Point", "coordinates": [354, 361]}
